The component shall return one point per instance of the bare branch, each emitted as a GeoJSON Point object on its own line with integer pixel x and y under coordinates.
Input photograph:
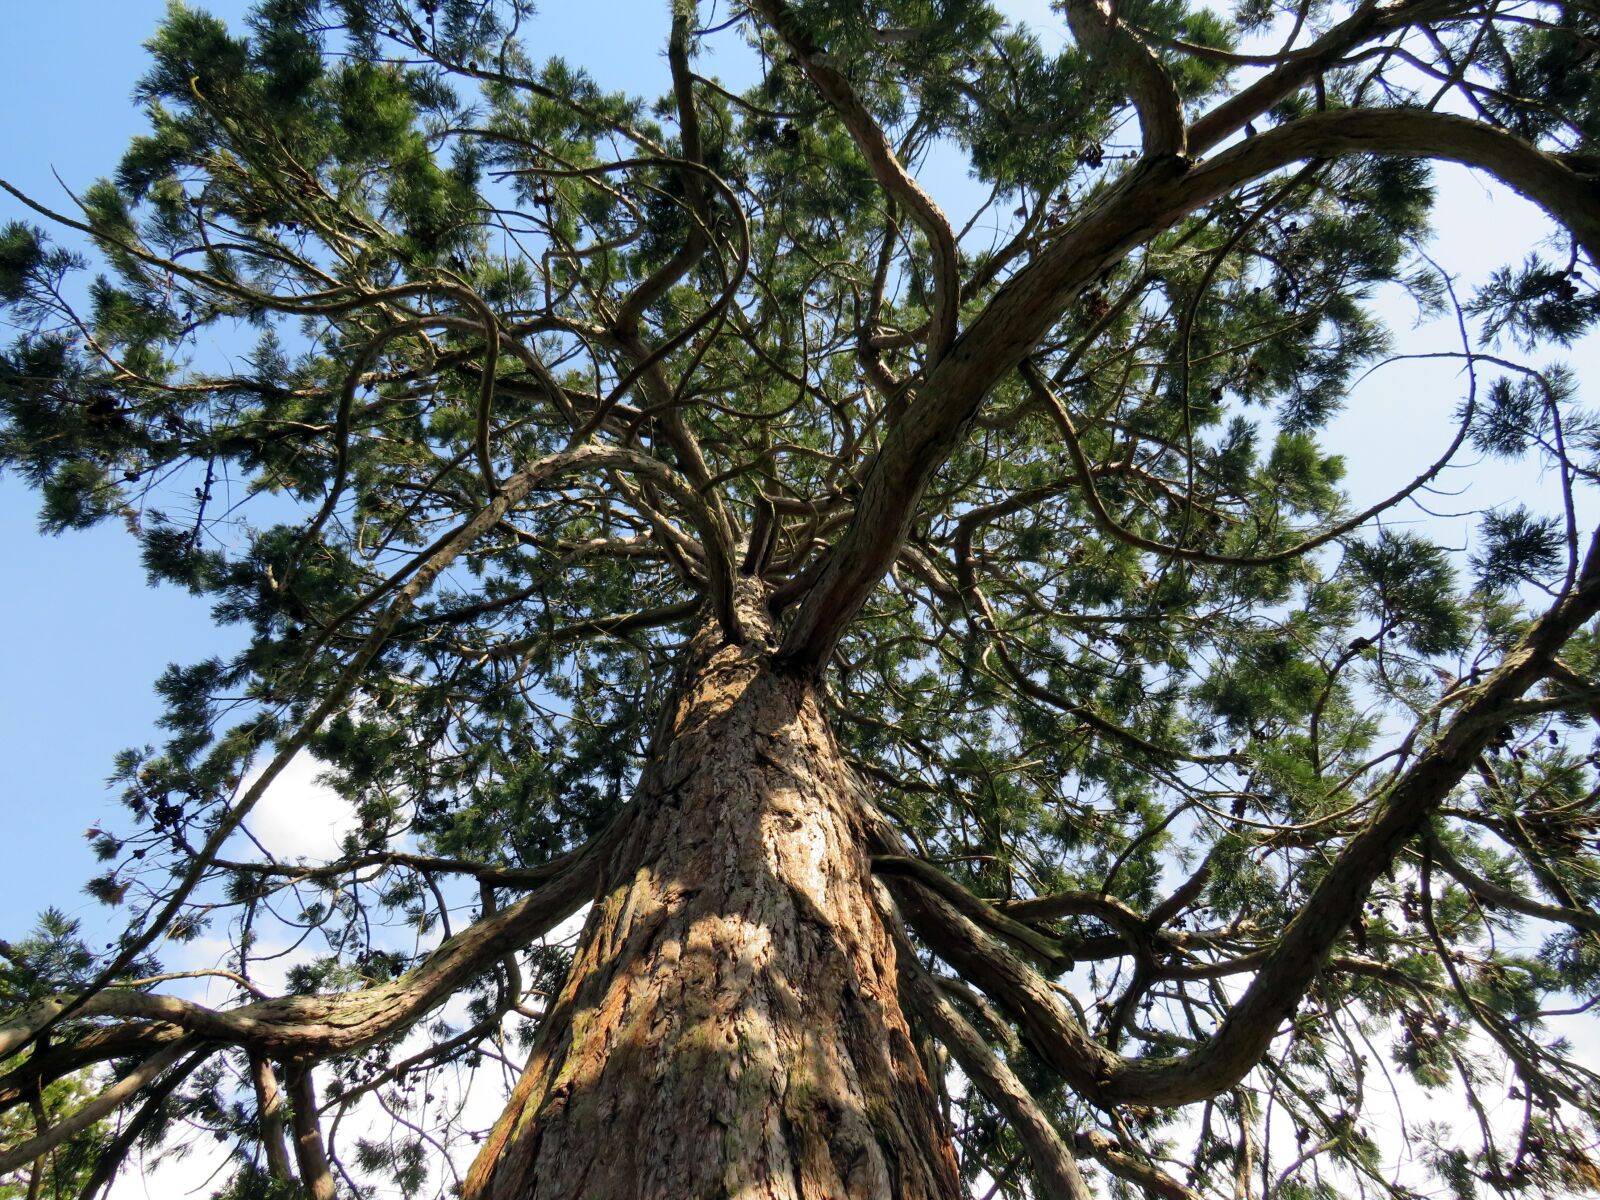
{"type": "Point", "coordinates": [309, 1149]}
{"type": "Point", "coordinates": [269, 1117]}
{"type": "Point", "coordinates": [108, 1101]}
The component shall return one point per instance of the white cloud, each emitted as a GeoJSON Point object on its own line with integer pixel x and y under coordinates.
{"type": "Point", "coordinates": [300, 817]}
{"type": "Point", "coordinates": [197, 1173]}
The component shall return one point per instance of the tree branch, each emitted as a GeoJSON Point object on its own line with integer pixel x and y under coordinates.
{"type": "Point", "coordinates": [1053, 1164]}
{"type": "Point", "coordinates": [1578, 918]}
{"type": "Point", "coordinates": [269, 1117]}
{"type": "Point", "coordinates": [305, 1028]}
{"type": "Point", "coordinates": [1151, 197]}
{"type": "Point", "coordinates": [1281, 982]}
{"type": "Point", "coordinates": [886, 167]}
{"type": "Point", "coordinates": [113, 1098]}
{"type": "Point", "coordinates": [1103, 35]}
{"type": "Point", "coordinates": [309, 1148]}
{"type": "Point", "coordinates": [113, 1156]}
{"type": "Point", "coordinates": [1153, 1181]}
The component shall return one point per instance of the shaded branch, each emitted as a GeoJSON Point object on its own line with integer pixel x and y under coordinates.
{"type": "Point", "coordinates": [886, 167]}
{"type": "Point", "coordinates": [1499, 897]}
{"type": "Point", "coordinates": [108, 1101]}
{"type": "Point", "coordinates": [305, 1028]}
{"type": "Point", "coordinates": [1053, 1164]}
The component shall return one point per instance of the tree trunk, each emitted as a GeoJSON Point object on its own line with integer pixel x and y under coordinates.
{"type": "Point", "coordinates": [731, 1026]}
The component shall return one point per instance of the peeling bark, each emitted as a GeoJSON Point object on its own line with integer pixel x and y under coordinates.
{"type": "Point", "coordinates": [731, 1025]}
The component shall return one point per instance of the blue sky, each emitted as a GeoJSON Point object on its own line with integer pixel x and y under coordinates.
{"type": "Point", "coordinates": [88, 637]}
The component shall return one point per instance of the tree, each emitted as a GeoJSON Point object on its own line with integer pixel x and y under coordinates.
{"type": "Point", "coordinates": [994, 754]}
{"type": "Point", "coordinates": [65, 1168]}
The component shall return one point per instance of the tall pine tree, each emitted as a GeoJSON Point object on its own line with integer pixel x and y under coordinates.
{"type": "Point", "coordinates": [996, 757]}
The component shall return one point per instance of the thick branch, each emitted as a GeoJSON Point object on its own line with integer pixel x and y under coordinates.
{"type": "Point", "coordinates": [269, 1117]}
{"type": "Point", "coordinates": [303, 1028]}
{"type": "Point", "coordinates": [309, 1149]}
{"type": "Point", "coordinates": [94, 1046]}
{"type": "Point", "coordinates": [1042, 947]}
{"type": "Point", "coordinates": [1053, 1164]}
{"type": "Point", "coordinates": [1100, 32]}
{"type": "Point", "coordinates": [1369, 21]}
{"type": "Point", "coordinates": [1570, 198]}
{"type": "Point", "coordinates": [1302, 951]}
{"type": "Point", "coordinates": [1278, 987]}
{"type": "Point", "coordinates": [1150, 198]}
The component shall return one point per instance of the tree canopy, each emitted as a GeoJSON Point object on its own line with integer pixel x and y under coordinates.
{"type": "Point", "coordinates": [1222, 814]}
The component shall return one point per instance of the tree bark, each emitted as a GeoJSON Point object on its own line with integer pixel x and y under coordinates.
{"type": "Point", "coordinates": [731, 1025]}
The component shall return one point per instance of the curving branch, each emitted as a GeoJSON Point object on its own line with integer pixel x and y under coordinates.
{"type": "Point", "coordinates": [1284, 973]}
{"type": "Point", "coordinates": [1109, 525]}
{"type": "Point", "coordinates": [1151, 197]}
{"type": "Point", "coordinates": [1492, 893]}
{"type": "Point", "coordinates": [1567, 195]}
{"type": "Point", "coordinates": [1107, 39]}
{"type": "Point", "coordinates": [978, 605]}
{"type": "Point", "coordinates": [885, 166]}
{"type": "Point", "coordinates": [308, 1028]}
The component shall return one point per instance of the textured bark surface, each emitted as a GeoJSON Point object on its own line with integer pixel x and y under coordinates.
{"type": "Point", "coordinates": [731, 1026]}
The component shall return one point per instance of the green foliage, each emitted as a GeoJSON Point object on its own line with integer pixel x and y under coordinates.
{"type": "Point", "coordinates": [1518, 547]}
{"type": "Point", "coordinates": [1408, 584]}
{"type": "Point", "coordinates": [1534, 303]}
{"type": "Point", "coordinates": [52, 956]}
